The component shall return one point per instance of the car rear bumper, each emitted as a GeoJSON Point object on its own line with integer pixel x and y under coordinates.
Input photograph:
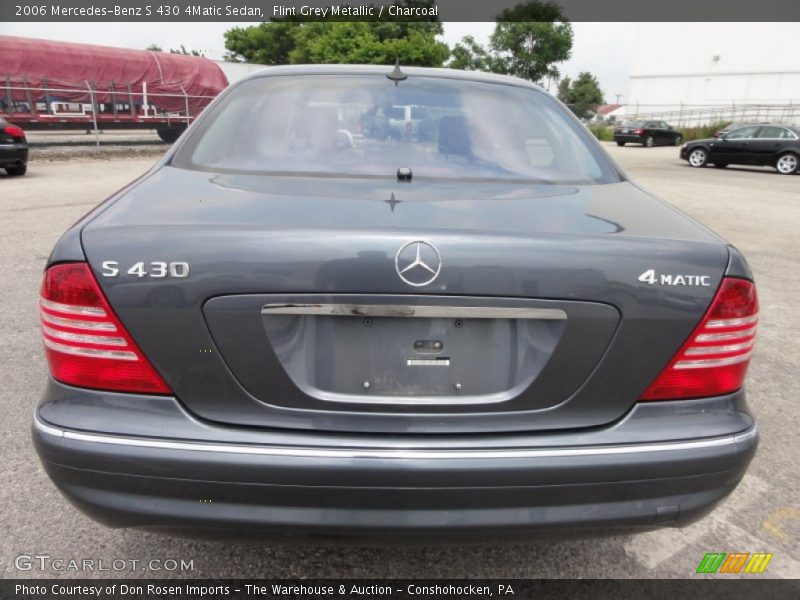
{"type": "Point", "coordinates": [636, 139]}
{"type": "Point", "coordinates": [13, 155]}
{"type": "Point", "coordinates": [198, 476]}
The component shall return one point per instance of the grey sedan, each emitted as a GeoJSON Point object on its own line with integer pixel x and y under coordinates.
{"type": "Point", "coordinates": [295, 324]}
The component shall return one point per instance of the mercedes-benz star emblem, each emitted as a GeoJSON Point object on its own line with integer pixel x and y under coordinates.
{"type": "Point", "coordinates": [418, 263]}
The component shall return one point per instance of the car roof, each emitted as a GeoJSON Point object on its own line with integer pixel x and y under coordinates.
{"type": "Point", "coordinates": [748, 124]}
{"type": "Point", "coordinates": [743, 125]}
{"type": "Point", "coordinates": [459, 74]}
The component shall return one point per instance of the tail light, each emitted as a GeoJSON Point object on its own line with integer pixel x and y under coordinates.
{"type": "Point", "coordinates": [714, 360]}
{"type": "Point", "coordinates": [639, 131]}
{"type": "Point", "coordinates": [85, 342]}
{"type": "Point", "coordinates": [14, 131]}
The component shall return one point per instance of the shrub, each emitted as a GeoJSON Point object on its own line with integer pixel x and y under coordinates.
{"type": "Point", "coordinates": [602, 132]}
{"type": "Point", "coordinates": [606, 134]}
{"type": "Point", "coordinates": [705, 131]}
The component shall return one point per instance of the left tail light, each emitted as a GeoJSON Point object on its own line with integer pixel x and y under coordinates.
{"type": "Point", "coordinates": [85, 342]}
{"type": "Point", "coordinates": [714, 360]}
{"type": "Point", "coordinates": [14, 132]}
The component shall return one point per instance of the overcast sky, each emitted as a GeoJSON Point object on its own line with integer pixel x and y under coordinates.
{"type": "Point", "coordinates": [602, 48]}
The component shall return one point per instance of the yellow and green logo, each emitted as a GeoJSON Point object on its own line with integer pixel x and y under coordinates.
{"type": "Point", "coordinates": [735, 562]}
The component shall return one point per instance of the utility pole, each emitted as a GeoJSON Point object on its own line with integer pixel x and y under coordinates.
{"type": "Point", "coordinates": [618, 96]}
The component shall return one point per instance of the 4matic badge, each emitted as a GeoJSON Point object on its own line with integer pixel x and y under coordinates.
{"type": "Point", "coordinates": [650, 276]}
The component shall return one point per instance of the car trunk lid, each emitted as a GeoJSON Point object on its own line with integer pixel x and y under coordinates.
{"type": "Point", "coordinates": [294, 313]}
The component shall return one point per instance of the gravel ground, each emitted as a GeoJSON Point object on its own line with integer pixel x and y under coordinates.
{"type": "Point", "coordinates": [755, 209]}
{"type": "Point", "coordinates": [72, 144]}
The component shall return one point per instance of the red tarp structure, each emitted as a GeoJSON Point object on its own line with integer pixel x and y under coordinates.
{"type": "Point", "coordinates": [26, 62]}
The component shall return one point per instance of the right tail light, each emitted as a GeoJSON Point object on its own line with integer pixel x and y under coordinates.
{"type": "Point", "coordinates": [714, 360]}
{"type": "Point", "coordinates": [14, 132]}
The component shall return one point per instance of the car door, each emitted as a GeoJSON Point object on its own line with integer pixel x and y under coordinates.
{"type": "Point", "coordinates": [736, 146]}
{"type": "Point", "coordinates": [651, 129]}
{"type": "Point", "coordinates": [663, 134]}
{"type": "Point", "coordinates": [769, 142]}
{"type": "Point", "coordinates": [670, 134]}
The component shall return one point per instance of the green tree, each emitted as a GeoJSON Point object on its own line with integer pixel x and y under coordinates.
{"type": "Point", "coordinates": [368, 43]}
{"type": "Point", "coordinates": [582, 95]}
{"type": "Point", "coordinates": [530, 50]}
{"type": "Point", "coordinates": [263, 44]}
{"type": "Point", "coordinates": [470, 55]}
{"type": "Point", "coordinates": [528, 41]}
{"type": "Point", "coordinates": [294, 40]}
{"type": "Point", "coordinates": [154, 48]}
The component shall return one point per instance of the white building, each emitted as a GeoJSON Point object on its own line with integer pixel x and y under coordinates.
{"type": "Point", "coordinates": [699, 72]}
{"type": "Point", "coordinates": [235, 71]}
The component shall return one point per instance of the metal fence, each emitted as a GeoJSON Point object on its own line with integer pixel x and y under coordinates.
{"type": "Point", "coordinates": [93, 109]}
{"type": "Point", "coordinates": [694, 115]}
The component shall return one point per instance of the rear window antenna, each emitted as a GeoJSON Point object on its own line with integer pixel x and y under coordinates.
{"type": "Point", "coordinates": [397, 75]}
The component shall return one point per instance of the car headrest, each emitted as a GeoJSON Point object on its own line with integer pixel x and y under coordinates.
{"type": "Point", "coordinates": [318, 124]}
{"type": "Point", "coordinates": [454, 136]}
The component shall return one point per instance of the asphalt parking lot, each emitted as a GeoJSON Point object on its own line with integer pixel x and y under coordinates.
{"type": "Point", "coordinates": [755, 209]}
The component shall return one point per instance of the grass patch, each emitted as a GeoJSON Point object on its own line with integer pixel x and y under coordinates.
{"type": "Point", "coordinates": [602, 132]}
{"type": "Point", "coordinates": [705, 131]}
{"type": "Point", "coordinates": [605, 133]}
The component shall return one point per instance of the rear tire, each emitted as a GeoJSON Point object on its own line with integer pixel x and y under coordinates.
{"type": "Point", "coordinates": [171, 134]}
{"type": "Point", "coordinates": [677, 141]}
{"type": "Point", "coordinates": [787, 163]}
{"type": "Point", "coordinates": [698, 158]}
{"type": "Point", "coordinates": [17, 171]}
{"type": "Point", "coordinates": [648, 142]}
{"type": "Point", "coordinates": [620, 143]}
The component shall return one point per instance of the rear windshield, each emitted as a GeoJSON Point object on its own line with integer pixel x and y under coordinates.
{"type": "Point", "coordinates": [633, 124]}
{"type": "Point", "coordinates": [364, 125]}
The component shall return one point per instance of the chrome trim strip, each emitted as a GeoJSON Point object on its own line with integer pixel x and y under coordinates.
{"type": "Point", "coordinates": [73, 309]}
{"type": "Point", "coordinates": [54, 431]}
{"type": "Point", "coordinates": [705, 363]}
{"type": "Point", "coordinates": [84, 338]}
{"type": "Point", "coordinates": [392, 453]}
{"type": "Point", "coordinates": [731, 322]}
{"type": "Point", "coordinates": [411, 310]}
{"type": "Point", "coordinates": [75, 324]}
{"type": "Point", "coordinates": [90, 352]}
{"type": "Point", "coordinates": [694, 350]}
{"type": "Point", "coordinates": [746, 436]}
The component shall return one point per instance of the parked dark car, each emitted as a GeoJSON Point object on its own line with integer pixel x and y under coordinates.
{"type": "Point", "coordinates": [647, 133]}
{"type": "Point", "coordinates": [730, 127]}
{"type": "Point", "coordinates": [776, 146]}
{"type": "Point", "coordinates": [490, 332]}
{"type": "Point", "coordinates": [13, 149]}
